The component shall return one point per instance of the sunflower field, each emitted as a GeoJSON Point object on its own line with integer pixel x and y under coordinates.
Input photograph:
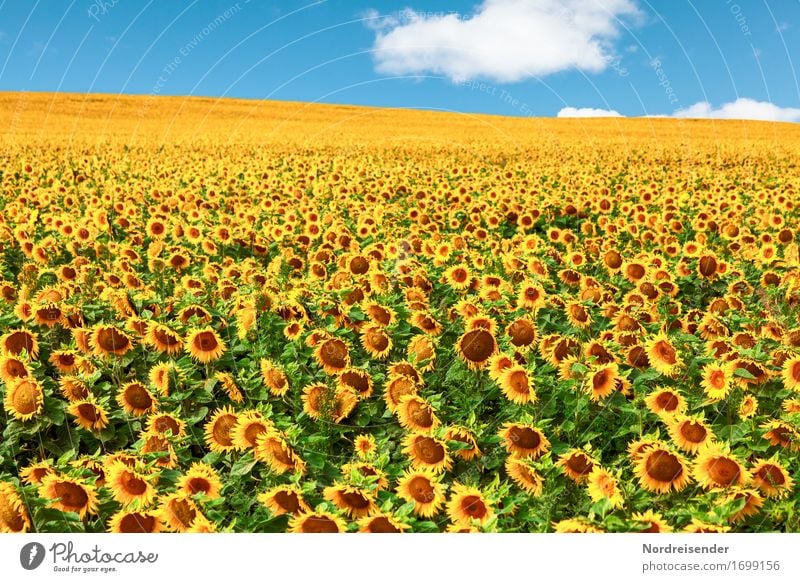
{"type": "Point", "coordinates": [266, 317]}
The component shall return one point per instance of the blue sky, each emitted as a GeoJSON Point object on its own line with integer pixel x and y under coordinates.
{"type": "Point", "coordinates": [720, 58]}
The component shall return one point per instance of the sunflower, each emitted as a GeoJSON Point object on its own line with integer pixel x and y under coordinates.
{"type": "Point", "coordinates": [424, 321]}
{"type": "Point", "coordinates": [13, 513]}
{"type": "Point", "coordinates": [380, 314]}
{"type": "Point", "coordinates": [781, 434]}
{"type": "Point", "coordinates": [717, 380]}
{"type": "Point", "coordinates": [66, 361]}
{"type": "Point", "coordinates": [666, 402]}
{"type": "Point", "coordinates": [603, 485]}
{"type": "Point", "coordinates": [376, 341]}
{"type": "Point", "coordinates": [163, 423]}
{"type": "Point", "coordinates": [522, 332]}
{"type": "Point", "coordinates": [398, 386]}
{"type": "Point", "coordinates": [716, 468]}
{"type": "Point", "coordinates": [751, 499]}
{"type": "Point", "coordinates": [283, 499]}
{"type": "Point", "coordinates": [525, 476]}
{"type": "Point", "coordinates": [24, 398]}
{"type": "Point", "coordinates": [524, 441]}
{"type": "Point", "coordinates": [772, 478]}
{"type": "Point", "coordinates": [791, 374]}
{"type": "Point", "coordinates": [576, 464]}
{"type": "Point", "coordinates": [359, 380]}
{"type": "Point", "coordinates": [35, 472]}
{"type": "Point", "coordinates": [200, 478]}
{"type": "Point", "coordinates": [517, 385]}
{"type": "Point", "coordinates": [160, 377]}
{"type": "Point", "coordinates": [458, 277]}
{"type": "Point", "coordinates": [69, 495]}
{"type": "Point", "coordinates": [791, 405]}
{"type": "Point", "coordinates": [365, 446]}
{"type": "Point", "coordinates": [250, 424]}
{"type": "Point", "coordinates": [423, 490]}
{"type": "Point", "coordinates": [498, 364]}
{"type": "Point", "coordinates": [196, 313]}
{"type": "Point", "coordinates": [427, 452]}
{"type": "Point", "coordinates": [650, 522]}
{"type": "Point", "coordinates": [660, 470]}
{"type": "Point", "coordinates": [178, 511]}
{"type": "Point", "coordinates": [82, 337]}
{"type": "Point", "coordinates": [463, 436]}
{"type": "Point", "coordinates": [107, 339]}
{"type": "Point", "coordinates": [161, 448]}
{"type": "Point", "coordinates": [381, 523]}
{"type": "Point", "coordinates": [422, 351]}
{"type": "Point", "coordinates": [574, 525]}
{"type": "Point", "coordinates": [475, 347]}
{"type": "Point", "coordinates": [603, 381]}
{"type": "Point", "coordinates": [699, 526]}
{"type": "Point", "coordinates": [662, 355]}
{"type": "Point", "coordinates": [12, 368]}
{"type": "Point", "coordinates": [130, 485]}
{"type": "Point", "coordinates": [531, 296]}
{"type": "Point", "coordinates": [416, 414]}
{"type": "Point", "coordinates": [467, 506]}
{"type": "Point", "coordinates": [14, 342]}
{"type": "Point", "coordinates": [689, 433]}
{"type": "Point", "coordinates": [204, 345]}
{"type": "Point", "coordinates": [218, 430]}
{"type": "Point", "coordinates": [272, 449]}
{"type": "Point", "coordinates": [354, 501]}
{"type": "Point", "coordinates": [333, 355]}
{"type": "Point", "coordinates": [228, 384]}
{"type": "Point", "coordinates": [317, 522]}
{"type": "Point", "coordinates": [274, 378]}
{"type": "Point", "coordinates": [89, 415]}
{"type": "Point", "coordinates": [748, 406]}
{"type": "Point", "coordinates": [127, 521]}
{"type": "Point", "coordinates": [136, 399]}
{"type": "Point", "coordinates": [163, 339]}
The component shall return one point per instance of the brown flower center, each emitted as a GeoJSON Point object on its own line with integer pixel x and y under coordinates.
{"type": "Point", "coordinates": [477, 345]}
{"type": "Point", "coordinates": [723, 471]}
{"type": "Point", "coordinates": [137, 523]}
{"type": "Point", "coordinates": [421, 489]}
{"type": "Point", "coordinates": [473, 506]}
{"type": "Point", "coordinates": [663, 466]}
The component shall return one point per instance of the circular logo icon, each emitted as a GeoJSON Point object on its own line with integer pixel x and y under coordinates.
{"type": "Point", "coordinates": [31, 555]}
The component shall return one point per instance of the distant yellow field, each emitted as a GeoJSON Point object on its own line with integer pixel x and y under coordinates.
{"type": "Point", "coordinates": [222, 315]}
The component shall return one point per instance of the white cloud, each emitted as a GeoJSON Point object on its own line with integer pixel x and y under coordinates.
{"type": "Point", "coordinates": [587, 112]}
{"type": "Point", "coordinates": [742, 108]}
{"type": "Point", "coordinates": [502, 40]}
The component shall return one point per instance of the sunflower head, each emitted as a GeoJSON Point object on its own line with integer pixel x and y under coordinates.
{"type": "Point", "coordinates": [468, 506]}
{"type": "Point", "coordinates": [69, 495]}
{"type": "Point", "coordinates": [24, 398]}
{"type": "Point", "coordinates": [716, 468]}
{"type": "Point", "coordinates": [576, 464]}
{"type": "Point", "coordinates": [661, 470]}
{"type": "Point", "coordinates": [422, 488]}
{"type": "Point", "coordinates": [317, 522]}
{"type": "Point", "coordinates": [523, 441]}
{"type": "Point", "coordinates": [204, 345]}
{"type": "Point", "coordinates": [427, 452]}
{"type": "Point", "coordinates": [135, 521]}
{"type": "Point", "coordinates": [14, 516]}
{"type": "Point", "coordinates": [201, 479]}
{"type": "Point", "coordinates": [283, 499]}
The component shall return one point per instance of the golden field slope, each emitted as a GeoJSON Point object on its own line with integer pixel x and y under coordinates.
{"type": "Point", "coordinates": [222, 315]}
